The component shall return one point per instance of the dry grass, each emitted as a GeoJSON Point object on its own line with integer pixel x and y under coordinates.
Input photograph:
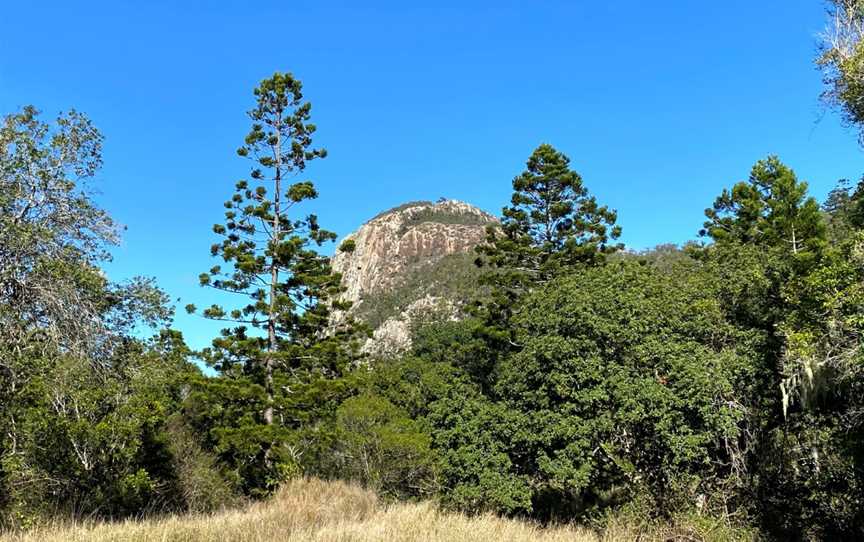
{"type": "Point", "coordinates": [312, 510]}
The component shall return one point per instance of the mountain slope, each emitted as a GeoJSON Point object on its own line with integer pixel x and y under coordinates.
{"type": "Point", "coordinates": [408, 261]}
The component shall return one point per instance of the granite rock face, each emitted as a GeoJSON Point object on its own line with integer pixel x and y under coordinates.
{"type": "Point", "coordinates": [395, 255]}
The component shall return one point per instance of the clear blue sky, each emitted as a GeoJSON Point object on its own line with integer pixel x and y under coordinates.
{"type": "Point", "coordinates": [658, 104]}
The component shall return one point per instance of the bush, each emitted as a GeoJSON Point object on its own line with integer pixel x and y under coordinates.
{"type": "Point", "coordinates": [201, 485]}
{"type": "Point", "coordinates": [378, 445]}
{"type": "Point", "coordinates": [479, 467]}
{"type": "Point", "coordinates": [92, 438]}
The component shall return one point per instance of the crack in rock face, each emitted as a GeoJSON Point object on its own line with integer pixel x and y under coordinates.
{"type": "Point", "coordinates": [393, 244]}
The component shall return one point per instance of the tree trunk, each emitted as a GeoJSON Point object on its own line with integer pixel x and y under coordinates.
{"type": "Point", "coordinates": [274, 279]}
{"type": "Point", "coordinates": [794, 241]}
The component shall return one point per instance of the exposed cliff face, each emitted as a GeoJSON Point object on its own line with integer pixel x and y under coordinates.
{"type": "Point", "coordinates": [406, 261]}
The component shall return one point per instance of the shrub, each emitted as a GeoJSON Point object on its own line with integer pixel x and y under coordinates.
{"type": "Point", "coordinates": [378, 445]}
{"type": "Point", "coordinates": [201, 485]}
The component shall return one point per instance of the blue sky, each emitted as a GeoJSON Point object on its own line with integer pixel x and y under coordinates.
{"type": "Point", "coordinates": [658, 104]}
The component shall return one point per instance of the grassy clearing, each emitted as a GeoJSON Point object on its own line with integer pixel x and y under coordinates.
{"type": "Point", "coordinates": [313, 510]}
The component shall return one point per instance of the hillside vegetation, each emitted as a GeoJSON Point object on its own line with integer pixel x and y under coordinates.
{"type": "Point", "coordinates": [453, 278]}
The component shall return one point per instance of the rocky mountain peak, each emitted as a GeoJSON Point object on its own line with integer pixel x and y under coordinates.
{"type": "Point", "coordinates": [412, 234]}
{"type": "Point", "coordinates": [393, 265]}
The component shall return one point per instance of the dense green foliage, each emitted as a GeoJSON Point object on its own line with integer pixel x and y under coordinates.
{"type": "Point", "coordinates": [552, 223]}
{"type": "Point", "coordinates": [280, 359]}
{"type": "Point", "coordinates": [722, 380]}
{"type": "Point", "coordinates": [625, 381]}
{"type": "Point", "coordinates": [719, 380]}
{"type": "Point", "coordinates": [84, 402]}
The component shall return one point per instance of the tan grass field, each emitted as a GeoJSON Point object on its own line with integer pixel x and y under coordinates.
{"type": "Point", "coordinates": [313, 510]}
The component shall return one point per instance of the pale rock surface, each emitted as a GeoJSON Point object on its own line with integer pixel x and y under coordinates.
{"type": "Point", "coordinates": [390, 245]}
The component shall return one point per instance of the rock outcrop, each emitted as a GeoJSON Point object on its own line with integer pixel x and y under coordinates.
{"type": "Point", "coordinates": [408, 261]}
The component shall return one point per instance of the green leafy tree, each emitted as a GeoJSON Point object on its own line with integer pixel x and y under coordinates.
{"type": "Point", "coordinates": [811, 467]}
{"type": "Point", "coordinates": [91, 440]}
{"type": "Point", "coordinates": [770, 209]}
{"type": "Point", "coordinates": [54, 236]}
{"type": "Point", "coordinates": [282, 339]}
{"type": "Point", "coordinates": [553, 225]}
{"type": "Point", "coordinates": [841, 59]}
{"type": "Point", "coordinates": [790, 272]}
{"type": "Point", "coordinates": [629, 383]}
{"type": "Point", "coordinates": [775, 232]}
{"type": "Point", "coordinates": [481, 468]}
{"type": "Point", "coordinates": [81, 398]}
{"type": "Point", "coordinates": [470, 435]}
{"type": "Point", "coordinates": [844, 210]}
{"type": "Point", "coordinates": [380, 446]}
